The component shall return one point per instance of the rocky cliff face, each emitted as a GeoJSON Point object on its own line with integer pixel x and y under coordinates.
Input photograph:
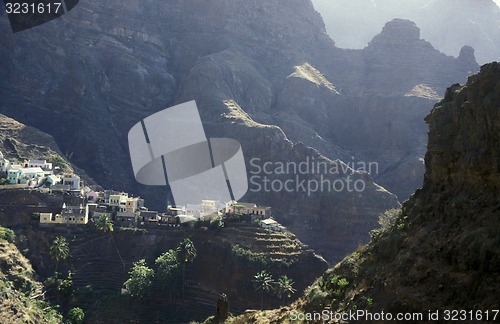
{"type": "Point", "coordinates": [264, 74]}
{"type": "Point", "coordinates": [443, 250]}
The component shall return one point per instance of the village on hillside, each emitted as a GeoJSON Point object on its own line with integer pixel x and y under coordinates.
{"type": "Point", "coordinates": [83, 204]}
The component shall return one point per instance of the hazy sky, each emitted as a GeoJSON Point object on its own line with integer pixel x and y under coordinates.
{"type": "Point", "coordinates": [497, 2]}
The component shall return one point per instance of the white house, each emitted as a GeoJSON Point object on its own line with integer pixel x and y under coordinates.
{"type": "Point", "coordinates": [248, 208]}
{"type": "Point", "coordinates": [72, 180]}
{"type": "Point", "coordinates": [119, 201]}
{"type": "Point", "coordinates": [42, 164]}
{"type": "Point", "coordinates": [12, 173]}
{"type": "Point", "coordinates": [4, 163]}
{"type": "Point", "coordinates": [53, 180]}
{"type": "Point", "coordinates": [17, 175]}
{"type": "Point", "coordinates": [272, 225]}
{"type": "Point", "coordinates": [132, 204]}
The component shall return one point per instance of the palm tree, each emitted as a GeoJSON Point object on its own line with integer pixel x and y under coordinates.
{"type": "Point", "coordinates": [105, 224]}
{"type": "Point", "coordinates": [285, 288]}
{"type": "Point", "coordinates": [186, 252]}
{"type": "Point", "coordinates": [263, 282]}
{"type": "Point", "coordinates": [59, 250]}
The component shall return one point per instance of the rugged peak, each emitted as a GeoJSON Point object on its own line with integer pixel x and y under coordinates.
{"type": "Point", "coordinates": [398, 31]}
{"type": "Point", "coordinates": [467, 56]}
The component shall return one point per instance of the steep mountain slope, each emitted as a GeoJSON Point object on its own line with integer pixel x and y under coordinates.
{"type": "Point", "coordinates": [447, 24]}
{"type": "Point", "coordinates": [21, 298]}
{"type": "Point", "coordinates": [19, 142]}
{"type": "Point", "coordinates": [443, 251]}
{"type": "Point", "coordinates": [266, 74]}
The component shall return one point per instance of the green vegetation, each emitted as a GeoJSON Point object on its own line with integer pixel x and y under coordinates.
{"type": "Point", "coordinates": [140, 282]}
{"type": "Point", "coordinates": [263, 282]}
{"type": "Point", "coordinates": [334, 286]}
{"type": "Point", "coordinates": [58, 161]}
{"type": "Point", "coordinates": [285, 288]}
{"type": "Point", "coordinates": [6, 234]}
{"type": "Point", "coordinates": [133, 230]}
{"type": "Point", "coordinates": [388, 218]}
{"type": "Point", "coordinates": [216, 224]}
{"type": "Point", "coordinates": [249, 257]}
{"type": "Point", "coordinates": [105, 224]}
{"type": "Point", "coordinates": [59, 250]}
{"type": "Point", "coordinates": [169, 275]}
{"type": "Point", "coordinates": [21, 296]}
{"type": "Point", "coordinates": [76, 315]}
{"type": "Point", "coordinates": [169, 272]}
{"type": "Point", "coordinates": [402, 222]}
{"type": "Point", "coordinates": [186, 252]}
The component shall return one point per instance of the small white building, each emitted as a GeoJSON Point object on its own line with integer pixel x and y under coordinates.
{"type": "Point", "coordinates": [272, 225]}
{"type": "Point", "coordinates": [53, 180]}
{"type": "Point", "coordinates": [4, 163]}
{"type": "Point", "coordinates": [72, 180]}
{"type": "Point", "coordinates": [233, 207]}
{"type": "Point", "coordinates": [42, 164]}
{"type": "Point", "coordinates": [25, 175]}
{"type": "Point", "coordinates": [12, 173]}
{"type": "Point", "coordinates": [132, 204]}
{"type": "Point", "coordinates": [119, 201]}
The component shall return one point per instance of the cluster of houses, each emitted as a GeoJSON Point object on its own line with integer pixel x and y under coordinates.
{"type": "Point", "coordinates": [83, 204]}
{"type": "Point", "coordinates": [37, 173]}
{"type": "Point", "coordinates": [126, 211]}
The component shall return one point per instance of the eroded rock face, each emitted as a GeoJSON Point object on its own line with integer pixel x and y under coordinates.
{"type": "Point", "coordinates": [464, 131]}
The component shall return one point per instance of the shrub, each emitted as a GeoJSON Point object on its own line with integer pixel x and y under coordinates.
{"type": "Point", "coordinates": [6, 234]}
{"type": "Point", "coordinates": [76, 315]}
{"type": "Point", "coordinates": [388, 218]}
{"type": "Point", "coordinates": [216, 224]}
